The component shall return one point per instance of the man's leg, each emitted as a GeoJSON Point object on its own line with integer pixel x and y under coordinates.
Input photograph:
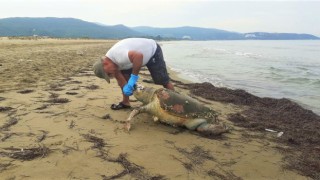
{"type": "Point", "coordinates": [169, 85]}
{"type": "Point", "coordinates": [125, 99]}
{"type": "Point", "coordinates": [158, 70]}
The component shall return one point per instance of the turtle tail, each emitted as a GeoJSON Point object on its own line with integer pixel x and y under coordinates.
{"type": "Point", "coordinates": [202, 126]}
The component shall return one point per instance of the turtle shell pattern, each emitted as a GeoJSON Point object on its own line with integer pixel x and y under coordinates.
{"type": "Point", "coordinates": [183, 106]}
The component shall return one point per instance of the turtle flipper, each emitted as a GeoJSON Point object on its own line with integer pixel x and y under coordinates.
{"type": "Point", "coordinates": [133, 113]}
{"type": "Point", "coordinates": [212, 129]}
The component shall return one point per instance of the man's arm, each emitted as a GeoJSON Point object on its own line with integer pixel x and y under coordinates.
{"type": "Point", "coordinates": [120, 78]}
{"type": "Point", "coordinates": [136, 58]}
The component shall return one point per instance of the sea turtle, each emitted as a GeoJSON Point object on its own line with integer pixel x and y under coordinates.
{"type": "Point", "coordinates": [176, 109]}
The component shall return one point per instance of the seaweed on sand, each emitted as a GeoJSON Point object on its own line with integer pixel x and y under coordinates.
{"type": "Point", "coordinates": [187, 166]}
{"type": "Point", "coordinates": [228, 176]}
{"type": "Point", "coordinates": [26, 91]}
{"type": "Point", "coordinates": [42, 136]}
{"type": "Point", "coordinates": [72, 124]}
{"type": "Point", "coordinates": [4, 166]}
{"type": "Point", "coordinates": [92, 87]}
{"type": "Point", "coordinates": [197, 155]}
{"type": "Point", "coordinates": [71, 93]}
{"type": "Point", "coordinates": [53, 95]}
{"type": "Point", "coordinates": [130, 168]}
{"type": "Point", "coordinates": [5, 108]}
{"type": "Point", "coordinates": [7, 136]}
{"type": "Point", "coordinates": [44, 106]}
{"type": "Point", "coordinates": [12, 121]}
{"type": "Point", "coordinates": [75, 82]}
{"type": "Point", "coordinates": [56, 87]}
{"type": "Point", "coordinates": [58, 100]}
{"type": "Point", "coordinates": [98, 142]}
{"type": "Point", "coordinates": [25, 154]}
{"type": "Point", "coordinates": [300, 126]}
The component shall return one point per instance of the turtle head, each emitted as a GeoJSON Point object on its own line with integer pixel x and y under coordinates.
{"type": "Point", "coordinates": [144, 94]}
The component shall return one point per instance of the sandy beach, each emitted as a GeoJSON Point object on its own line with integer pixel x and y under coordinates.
{"type": "Point", "coordinates": [56, 123]}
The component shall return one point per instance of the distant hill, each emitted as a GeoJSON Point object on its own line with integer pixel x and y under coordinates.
{"type": "Point", "coordinates": [196, 33]}
{"type": "Point", "coordinates": [76, 28]}
{"type": "Point", "coordinates": [62, 27]}
{"type": "Point", "coordinates": [187, 32]}
{"type": "Point", "coordinates": [278, 36]}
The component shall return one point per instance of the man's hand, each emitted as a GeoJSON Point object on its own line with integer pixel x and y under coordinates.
{"type": "Point", "coordinates": [129, 87]}
{"type": "Point", "coordinates": [127, 90]}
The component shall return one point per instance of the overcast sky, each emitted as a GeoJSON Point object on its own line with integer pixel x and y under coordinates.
{"type": "Point", "coordinates": [239, 16]}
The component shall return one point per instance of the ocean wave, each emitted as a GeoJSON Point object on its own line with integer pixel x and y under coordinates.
{"type": "Point", "coordinates": [303, 68]}
{"type": "Point", "coordinates": [297, 80]}
{"type": "Point", "coordinates": [250, 55]}
{"type": "Point", "coordinates": [316, 83]}
{"type": "Point", "coordinates": [275, 69]}
{"type": "Point", "coordinates": [198, 77]}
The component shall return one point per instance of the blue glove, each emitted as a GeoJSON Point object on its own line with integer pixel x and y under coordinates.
{"type": "Point", "coordinates": [129, 87]}
{"type": "Point", "coordinates": [133, 80]}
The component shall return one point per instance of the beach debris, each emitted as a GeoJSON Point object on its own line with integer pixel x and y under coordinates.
{"type": "Point", "coordinates": [58, 114]}
{"type": "Point", "coordinates": [279, 134]}
{"type": "Point", "coordinates": [26, 91]}
{"type": "Point", "coordinates": [75, 88]}
{"type": "Point", "coordinates": [25, 153]}
{"type": "Point", "coordinates": [12, 121]}
{"type": "Point", "coordinates": [5, 108]}
{"type": "Point", "coordinates": [92, 87]}
{"type": "Point", "coordinates": [226, 174]}
{"type": "Point", "coordinates": [71, 93]}
{"type": "Point", "coordinates": [176, 109]}
{"type": "Point", "coordinates": [44, 106]}
{"type": "Point", "coordinates": [72, 124]}
{"type": "Point", "coordinates": [98, 142]}
{"type": "Point", "coordinates": [187, 166]}
{"type": "Point", "coordinates": [42, 136]}
{"type": "Point", "coordinates": [241, 120]}
{"type": "Point", "coordinates": [130, 168]}
{"type": "Point", "coordinates": [4, 166]}
{"type": "Point", "coordinates": [56, 86]}
{"type": "Point", "coordinates": [86, 72]}
{"type": "Point", "coordinates": [196, 155]}
{"type": "Point", "coordinates": [126, 164]}
{"type": "Point", "coordinates": [270, 130]}
{"type": "Point", "coordinates": [7, 136]}
{"type": "Point", "coordinates": [58, 100]}
{"type": "Point", "coordinates": [53, 95]}
{"type": "Point", "coordinates": [107, 116]}
{"type": "Point", "coordinates": [75, 82]}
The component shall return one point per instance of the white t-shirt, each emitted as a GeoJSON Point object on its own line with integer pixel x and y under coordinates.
{"type": "Point", "coordinates": [119, 52]}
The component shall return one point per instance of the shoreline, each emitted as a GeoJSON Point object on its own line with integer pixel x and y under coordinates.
{"type": "Point", "coordinates": [269, 74]}
{"type": "Point", "coordinates": [179, 76]}
{"type": "Point", "coordinates": [63, 124]}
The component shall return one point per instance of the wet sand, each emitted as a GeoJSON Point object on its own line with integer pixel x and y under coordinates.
{"type": "Point", "coordinates": [55, 123]}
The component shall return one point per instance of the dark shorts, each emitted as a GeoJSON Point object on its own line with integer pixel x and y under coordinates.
{"type": "Point", "coordinates": [157, 68]}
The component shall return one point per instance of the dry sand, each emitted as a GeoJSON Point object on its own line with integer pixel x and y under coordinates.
{"type": "Point", "coordinates": [55, 123]}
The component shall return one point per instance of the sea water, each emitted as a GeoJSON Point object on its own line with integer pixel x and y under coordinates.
{"type": "Point", "coordinates": [277, 69]}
